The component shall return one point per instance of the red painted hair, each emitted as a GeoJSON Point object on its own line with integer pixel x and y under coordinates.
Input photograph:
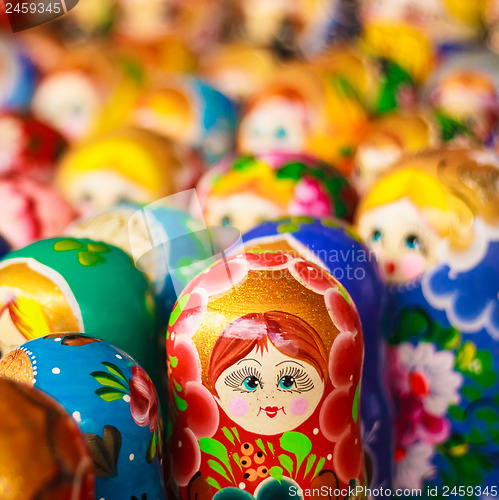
{"type": "Point", "coordinates": [289, 334]}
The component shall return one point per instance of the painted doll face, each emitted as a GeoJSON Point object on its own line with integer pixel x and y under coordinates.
{"type": "Point", "coordinates": [470, 98]}
{"type": "Point", "coordinates": [402, 239]}
{"type": "Point", "coordinates": [69, 102]}
{"type": "Point", "coordinates": [102, 189]}
{"type": "Point", "coordinates": [263, 18]}
{"type": "Point", "coordinates": [277, 124]}
{"type": "Point", "coordinates": [267, 392]}
{"type": "Point", "coordinates": [430, 16]}
{"type": "Point", "coordinates": [371, 160]}
{"type": "Point", "coordinates": [241, 210]}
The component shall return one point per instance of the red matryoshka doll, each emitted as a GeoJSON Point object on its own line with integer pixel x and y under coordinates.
{"type": "Point", "coordinates": [31, 210]}
{"type": "Point", "coordinates": [264, 355]}
{"type": "Point", "coordinates": [303, 111]}
{"type": "Point", "coordinates": [28, 147]}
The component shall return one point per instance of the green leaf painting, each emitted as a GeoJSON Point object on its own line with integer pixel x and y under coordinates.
{"type": "Point", "coordinates": [109, 394]}
{"type": "Point", "coordinates": [298, 444]}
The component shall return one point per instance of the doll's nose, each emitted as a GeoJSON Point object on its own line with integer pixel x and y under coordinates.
{"type": "Point", "coordinates": [390, 267]}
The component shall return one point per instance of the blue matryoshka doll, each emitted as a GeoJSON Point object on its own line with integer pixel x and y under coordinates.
{"type": "Point", "coordinates": [337, 248]}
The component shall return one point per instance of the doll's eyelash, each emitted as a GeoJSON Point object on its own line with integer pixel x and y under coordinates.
{"type": "Point", "coordinates": [235, 379]}
{"type": "Point", "coordinates": [303, 381]}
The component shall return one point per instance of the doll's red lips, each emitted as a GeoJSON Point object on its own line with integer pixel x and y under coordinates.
{"type": "Point", "coordinates": [271, 411]}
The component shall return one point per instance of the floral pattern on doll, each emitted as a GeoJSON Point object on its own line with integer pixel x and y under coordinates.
{"type": "Point", "coordinates": [272, 187]}
{"type": "Point", "coordinates": [438, 379]}
{"type": "Point", "coordinates": [144, 405]}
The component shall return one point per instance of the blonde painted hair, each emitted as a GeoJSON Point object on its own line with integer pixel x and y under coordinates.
{"type": "Point", "coordinates": [450, 194]}
{"type": "Point", "coordinates": [257, 177]}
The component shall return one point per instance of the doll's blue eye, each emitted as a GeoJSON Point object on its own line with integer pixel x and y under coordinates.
{"type": "Point", "coordinates": [281, 133]}
{"type": "Point", "coordinates": [412, 242]}
{"type": "Point", "coordinates": [287, 382]}
{"type": "Point", "coordinates": [376, 236]}
{"type": "Point", "coordinates": [251, 383]}
{"type": "Point", "coordinates": [226, 221]}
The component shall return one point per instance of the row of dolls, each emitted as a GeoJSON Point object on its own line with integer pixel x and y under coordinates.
{"type": "Point", "coordinates": [415, 296]}
{"type": "Point", "coordinates": [299, 26]}
{"type": "Point", "coordinates": [345, 109]}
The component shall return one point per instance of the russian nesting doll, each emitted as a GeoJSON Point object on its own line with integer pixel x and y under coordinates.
{"type": "Point", "coordinates": [434, 222]}
{"type": "Point", "coordinates": [264, 355]}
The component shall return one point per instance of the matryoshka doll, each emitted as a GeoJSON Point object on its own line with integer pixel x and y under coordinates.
{"type": "Point", "coordinates": [29, 147]}
{"type": "Point", "coordinates": [381, 81]}
{"type": "Point", "coordinates": [434, 222]}
{"type": "Point", "coordinates": [179, 239]}
{"type": "Point", "coordinates": [31, 210]}
{"type": "Point", "coordinates": [239, 70]}
{"type": "Point", "coordinates": [303, 111]}
{"type": "Point", "coordinates": [409, 211]}
{"type": "Point", "coordinates": [192, 113]}
{"type": "Point", "coordinates": [102, 172]}
{"type": "Point", "coordinates": [448, 24]}
{"type": "Point", "coordinates": [113, 401]}
{"type": "Point", "coordinates": [464, 94]}
{"type": "Point", "coordinates": [264, 359]}
{"type": "Point", "coordinates": [245, 190]}
{"type": "Point", "coordinates": [389, 138]}
{"type": "Point", "coordinates": [43, 454]}
{"type": "Point", "coordinates": [339, 250]}
{"type": "Point", "coordinates": [66, 284]}
{"type": "Point", "coordinates": [85, 93]}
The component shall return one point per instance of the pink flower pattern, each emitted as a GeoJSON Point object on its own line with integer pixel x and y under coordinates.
{"type": "Point", "coordinates": [310, 199]}
{"type": "Point", "coordinates": [143, 399]}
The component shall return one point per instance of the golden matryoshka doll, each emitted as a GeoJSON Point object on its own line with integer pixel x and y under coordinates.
{"type": "Point", "coordinates": [264, 355]}
{"type": "Point", "coordinates": [303, 111]}
{"type": "Point", "coordinates": [387, 140]}
{"type": "Point", "coordinates": [433, 202]}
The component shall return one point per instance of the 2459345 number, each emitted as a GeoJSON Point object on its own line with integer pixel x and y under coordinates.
{"type": "Point", "coordinates": [33, 8]}
{"type": "Point", "coordinates": [462, 491]}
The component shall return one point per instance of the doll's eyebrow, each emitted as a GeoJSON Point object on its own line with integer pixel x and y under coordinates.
{"type": "Point", "coordinates": [288, 361]}
{"type": "Point", "coordinates": [250, 359]}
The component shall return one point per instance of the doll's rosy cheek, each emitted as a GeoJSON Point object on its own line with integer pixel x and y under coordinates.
{"type": "Point", "coordinates": [412, 266]}
{"type": "Point", "coordinates": [299, 406]}
{"type": "Point", "coordinates": [238, 407]}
